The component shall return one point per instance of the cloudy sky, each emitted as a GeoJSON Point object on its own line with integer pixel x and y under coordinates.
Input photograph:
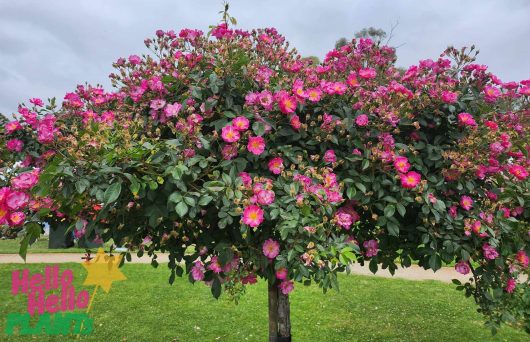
{"type": "Point", "coordinates": [47, 47]}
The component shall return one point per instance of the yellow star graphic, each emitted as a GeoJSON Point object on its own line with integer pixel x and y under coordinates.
{"type": "Point", "coordinates": [103, 270]}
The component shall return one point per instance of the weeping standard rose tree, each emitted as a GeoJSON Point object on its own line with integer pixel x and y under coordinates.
{"type": "Point", "coordinates": [243, 160]}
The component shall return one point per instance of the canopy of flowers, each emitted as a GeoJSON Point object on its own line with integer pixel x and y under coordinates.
{"type": "Point", "coordinates": [243, 160]}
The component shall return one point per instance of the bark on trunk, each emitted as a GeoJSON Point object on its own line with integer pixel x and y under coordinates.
{"type": "Point", "coordinates": [279, 315]}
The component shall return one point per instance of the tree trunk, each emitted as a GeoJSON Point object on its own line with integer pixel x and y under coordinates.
{"type": "Point", "coordinates": [279, 315]}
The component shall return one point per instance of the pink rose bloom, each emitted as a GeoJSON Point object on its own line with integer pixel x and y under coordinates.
{"type": "Point", "coordinates": [466, 202]}
{"type": "Point", "coordinates": [215, 266]}
{"type": "Point", "coordinates": [14, 145]}
{"type": "Point", "coordinates": [491, 94]}
{"type": "Point", "coordinates": [329, 156]}
{"type": "Point", "coordinates": [36, 101]}
{"type": "Point", "coordinates": [265, 197]}
{"type": "Point", "coordinates": [246, 179]}
{"type": "Point", "coordinates": [157, 104]}
{"type": "Point", "coordinates": [16, 200]}
{"type": "Point", "coordinates": [271, 248]}
{"type": "Point", "coordinates": [522, 258]}
{"type": "Point", "coordinates": [352, 80]}
{"type": "Point", "coordinates": [449, 96]}
{"type": "Point", "coordinates": [452, 211]}
{"type": "Point", "coordinates": [229, 152]}
{"type": "Point", "coordinates": [518, 171]}
{"type": "Point", "coordinates": [249, 279]}
{"type": "Point", "coordinates": [432, 198]}
{"type": "Point", "coordinates": [241, 123]}
{"type": "Point", "coordinates": [410, 180]}
{"type": "Point", "coordinates": [344, 220]}
{"type": "Point", "coordinates": [310, 229]}
{"type": "Point", "coordinates": [496, 148]}
{"type": "Point", "coordinates": [12, 126]}
{"type": "Point", "coordinates": [402, 164]}
{"type": "Point", "coordinates": [79, 233]}
{"type": "Point", "coordinates": [362, 120]}
{"type": "Point", "coordinates": [524, 90]}
{"type": "Point", "coordinates": [510, 285]}
{"type": "Point", "coordinates": [134, 59]}
{"type": "Point", "coordinates": [281, 273]}
{"type": "Point", "coordinates": [251, 98]}
{"type": "Point", "coordinates": [314, 94]}
{"type": "Point", "coordinates": [287, 104]}
{"type": "Point", "coordinates": [333, 196]}
{"type": "Point", "coordinates": [489, 252]}
{"type": "Point", "coordinates": [371, 247]}
{"type": "Point", "coordinates": [4, 214]}
{"type": "Point", "coordinates": [253, 215]}
{"type": "Point", "coordinates": [107, 117]}
{"type": "Point", "coordinates": [276, 165]}
{"type": "Point", "coordinates": [295, 122]}
{"type": "Point", "coordinates": [16, 219]}
{"type": "Point", "coordinates": [265, 99]}
{"type": "Point", "coordinates": [286, 287]}
{"type": "Point", "coordinates": [466, 119]}
{"type": "Point", "coordinates": [25, 180]}
{"type": "Point", "coordinates": [230, 134]}
{"type": "Point", "coordinates": [188, 152]}
{"type": "Point", "coordinates": [462, 267]}
{"type": "Point", "coordinates": [367, 73]}
{"type": "Point", "coordinates": [3, 194]}
{"type": "Point", "coordinates": [172, 109]}
{"type": "Point", "coordinates": [147, 240]}
{"type": "Point", "coordinates": [45, 133]}
{"type": "Point", "coordinates": [256, 145]}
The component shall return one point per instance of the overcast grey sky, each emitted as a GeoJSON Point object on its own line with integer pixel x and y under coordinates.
{"type": "Point", "coordinates": [49, 46]}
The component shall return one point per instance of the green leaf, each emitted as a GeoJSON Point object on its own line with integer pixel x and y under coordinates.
{"type": "Point", "coordinates": [33, 230]}
{"type": "Point", "coordinates": [361, 187]}
{"type": "Point", "coordinates": [373, 266]}
{"type": "Point", "coordinates": [24, 247]}
{"type": "Point", "coordinates": [112, 193]}
{"type": "Point", "coordinates": [258, 128]}
{"type": "Point", "coordinates": [196, 92]}
{"type": "Point", "coordinates": [135, 186]}
{"type": "Point", "coordinates": [401, 209]}
{"type": "Point", "coordinates": [175, 197]}
{"type": "Point", "coordinates": [181, 209]}
{"type": "Point", "coordinates": [351, 192]}
{"type": "Point", "coordinates": [205, 200]}
{"type": "Point", "coordinates": [214, 186]}
{"type": "Point", "coordinates": [365, 164]}
{"type": "Point", "coordinates": [190, 201]}
{"type": "Point", "coordinates": [435, 262]}
{"type": "Point", "coordinates": [392, 228]}
{"type": "Point", "coordinates": [216, 287]}
{"type": "Point", "coordinates": [168, 79]}
{"type": "Point", "coordinates": [81, 185]}
{"type": "Point", "coordinates": [390, 199]}
{"type": "Point", "coordinates": [390, 210]}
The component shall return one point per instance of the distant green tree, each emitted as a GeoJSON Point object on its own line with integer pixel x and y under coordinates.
{"type": "Point", "coordinates": [341, 42]}
{"type": "Point", "coordinates": [3, 120]}
{"type": "Point", "coordinates": [375, 34]}
{"type": "Point", "coordinates": [314, 59]}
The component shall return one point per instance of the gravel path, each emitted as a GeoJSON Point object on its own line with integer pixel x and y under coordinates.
{"type": "Point", "coordinates": [446, 274]}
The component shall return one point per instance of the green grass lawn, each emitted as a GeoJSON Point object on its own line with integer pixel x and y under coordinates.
{"type": "Point", "coordinates": [12, 246]}
{"type": "Point", "coordinates": [146, 308]}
